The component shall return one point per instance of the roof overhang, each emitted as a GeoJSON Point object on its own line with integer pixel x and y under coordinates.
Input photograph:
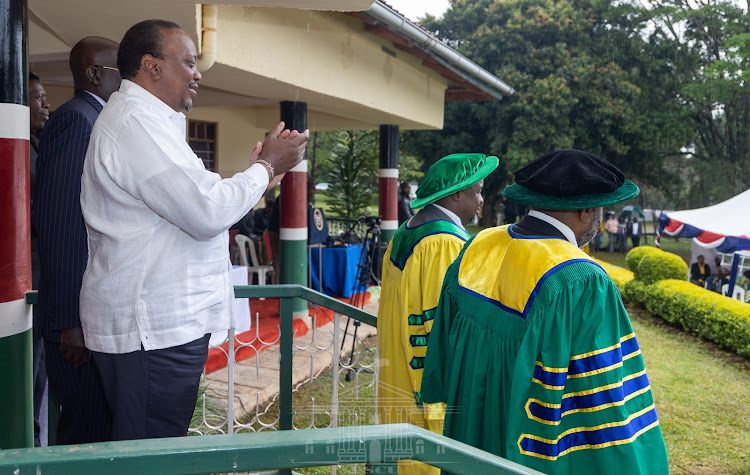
{"type": "Point", "coordinates": [349, 77]}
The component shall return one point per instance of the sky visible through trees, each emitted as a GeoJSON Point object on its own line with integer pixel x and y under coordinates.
{"type": "Point", "coordinates": [658, 88]}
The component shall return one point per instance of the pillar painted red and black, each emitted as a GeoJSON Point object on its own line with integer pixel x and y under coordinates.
{"type": "Point", "coordinates": [293, 215]}
{"type": "Point", "coordinates": [388, 181]}
{"type": "Point", "coordinates": [16, 404]}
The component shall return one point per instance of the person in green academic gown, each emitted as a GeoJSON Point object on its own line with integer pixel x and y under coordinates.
{"type": "Point", "coordinates": [531, 347]}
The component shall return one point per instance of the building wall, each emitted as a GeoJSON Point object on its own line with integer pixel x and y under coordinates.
{"type": "Point", "coordinates": [236, 136]}
{"type": "Point", "coordinates": [237, 132]}
{"type": "Point", "coordinates": [328, 59]}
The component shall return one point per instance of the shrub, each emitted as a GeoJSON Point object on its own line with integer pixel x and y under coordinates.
{"type": "Point", "coordinates": [707, 314]}
{"type": "Point", "coordinates": [660, 265]}
{"type": "Point", "coordinates": [636, 254]}
{"type": "Point", "coordinates": [618, 275]}
{"type": "Point", "coordinates": [634, 292]}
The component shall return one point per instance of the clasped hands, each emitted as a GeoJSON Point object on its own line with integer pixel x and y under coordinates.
{"type": "Point", "coordinates": [283, 149]}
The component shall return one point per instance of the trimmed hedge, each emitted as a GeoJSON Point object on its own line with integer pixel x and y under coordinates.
{"type": "Point", "coordinates": [659, 265]}
{"type": "Point", "coordinates": [618, 275]}
{"type": "Point", "coordinates": [634, 256]}
{"type": "Point", "coordinates": [708, 314]}
{"type": "Point", "coordinates": [635, 292]}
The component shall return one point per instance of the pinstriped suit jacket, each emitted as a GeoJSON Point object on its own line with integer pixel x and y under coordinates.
{"type": "Point", "coordinates": [57, 213]}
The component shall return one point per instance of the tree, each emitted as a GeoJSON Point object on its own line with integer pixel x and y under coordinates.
{"type": "Point", "coordinates": [585, 76]}
{"type": "Point", "coordinates": [711, 44]}
{"type": "Point", "coordinates": [351, 172]}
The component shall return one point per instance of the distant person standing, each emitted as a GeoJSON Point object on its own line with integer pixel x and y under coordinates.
{"type": "Point", "coordinates": [622, 234]}
{"type": "Point", "coordinates": [38, 115]}
{"type": "Point", "coordinates": [635, 232]}
{"type": "Point", "coordinates": [73, 377]}
{"type": "Point", "coordinates": [405, 212]}
{"type": "Point", "coordinates": [612, 227]}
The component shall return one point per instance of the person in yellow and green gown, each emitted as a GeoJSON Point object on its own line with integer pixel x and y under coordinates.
{"type": "Point", "coordinates": [531, 347]}
{"type": "Point", "coordinates": [413, 268]}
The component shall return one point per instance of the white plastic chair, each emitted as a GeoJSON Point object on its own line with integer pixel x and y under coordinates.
{"type": "Point", "coordinates": [253, 266]}
{"type": "Point", "coordinates": [739, 293]}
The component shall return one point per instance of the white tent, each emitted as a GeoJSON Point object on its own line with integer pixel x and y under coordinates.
{"type": "Point", "coordinates": [723, 227]}
{"type": "Point", "coordinates": [728, 218]}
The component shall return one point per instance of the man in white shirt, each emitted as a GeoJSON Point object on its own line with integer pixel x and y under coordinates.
{"type": "Point", "coordinates": [157, 281]}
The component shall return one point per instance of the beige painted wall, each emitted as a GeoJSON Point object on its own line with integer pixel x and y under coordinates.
{"type": "Point", "coordinates": [237, 132]}
{"type": "Point", "coordinates": [313, 55]}
{"type": "Point", "coordinates": [237, 135]}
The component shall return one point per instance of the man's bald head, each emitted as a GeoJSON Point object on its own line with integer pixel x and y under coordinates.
{"type": "Point", "coordinates": [93, 62]}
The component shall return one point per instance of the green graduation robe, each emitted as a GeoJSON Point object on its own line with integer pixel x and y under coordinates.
{"type": "Point", "coordinates": [533, 352]}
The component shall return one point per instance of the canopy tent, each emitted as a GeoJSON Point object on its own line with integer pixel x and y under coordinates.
{"type": "Point", "coordinates": [722, 226]}
{"type": "Point", "coordinates": [629, 210]}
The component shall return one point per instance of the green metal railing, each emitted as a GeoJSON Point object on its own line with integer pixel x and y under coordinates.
{"type": "Point", "coordinates": [286, 294]}
{"type": "Point", "coordinates": [263, 451]}
{"type": "Point", "coordinates": [283, 450]}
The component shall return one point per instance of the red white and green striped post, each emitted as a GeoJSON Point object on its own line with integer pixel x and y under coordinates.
{"type": "Point", "coordinates": [16, 403]}
{"type": "Point", "coordinates": [293, 215]}
{"type": "Point", "coordinates": [388, 175]}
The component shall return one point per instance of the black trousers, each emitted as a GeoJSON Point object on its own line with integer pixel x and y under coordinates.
{"type": "Point", "coordinates": [85, 416]}
{"type": "Point", "coordinates": [40, 378]}
{"type": "Point", "coordinates": [153, 393]}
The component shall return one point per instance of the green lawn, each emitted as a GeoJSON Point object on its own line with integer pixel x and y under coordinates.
{"type": "Point", "coordinates": [702, 395]}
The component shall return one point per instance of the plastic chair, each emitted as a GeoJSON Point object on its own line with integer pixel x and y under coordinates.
{"type": "Point", "coordinates": [739, 293]}
{"type": "Point", "coordinates": [253, 266]}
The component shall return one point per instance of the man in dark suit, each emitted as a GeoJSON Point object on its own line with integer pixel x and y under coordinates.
{"type": "Point", "coordinates": [405, 213]}
{"type": "Point", "coordinates": [73, 377]}
{"type": "Point", "coordinates": [38, 116]}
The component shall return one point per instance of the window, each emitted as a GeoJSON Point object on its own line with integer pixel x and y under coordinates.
{"type": "Point", "coordinates": [202, 139]}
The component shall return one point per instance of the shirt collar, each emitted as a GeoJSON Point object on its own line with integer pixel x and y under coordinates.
{"type": "Point", "coordinates": [98, 99]}
{"type": "Point", "coordinates": [130, 88]}
{"type": "Point", "coordinates": [453, 216]}
{"type": "Point", "coordinates": [563, 228]}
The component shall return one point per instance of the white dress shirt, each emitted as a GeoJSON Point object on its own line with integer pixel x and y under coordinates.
{"type": "Point", "coordinates": [157, 221]}
{"type": "Point", "coordinates": [562, 227]}
{"type": "Point", "coordinates": [453, 216]}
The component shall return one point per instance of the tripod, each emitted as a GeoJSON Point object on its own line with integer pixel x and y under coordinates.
{"type": "Point", "coordinates": [367, 272]}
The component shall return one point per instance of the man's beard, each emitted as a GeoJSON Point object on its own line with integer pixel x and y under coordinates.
{"type": "Point", "coordinates": [590, 232]}
{"type": "Point", "coordinates": [475, 220]}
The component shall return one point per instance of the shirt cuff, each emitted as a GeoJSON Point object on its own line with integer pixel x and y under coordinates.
{"type": "Point", "coordinates": [259, 173]}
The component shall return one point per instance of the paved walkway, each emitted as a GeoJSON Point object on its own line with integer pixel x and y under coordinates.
{"type": "Point", "coordinates": [256, 379]}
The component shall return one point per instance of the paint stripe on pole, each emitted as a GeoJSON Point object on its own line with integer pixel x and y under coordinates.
{"type": "Point", "coordinates": [388, 173]}
{"type": "Point", "coordinates": [389, 225]}
{"type": "Point", "coordinates": [293, 234]}
{"type": "Point", "coordinates": [14, 121]}
{"type": "Point", "coordinates": [15, 317]}
{"type": "Point", "coordinates": [301, 167]}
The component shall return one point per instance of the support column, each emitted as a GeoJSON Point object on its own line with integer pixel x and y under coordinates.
{"type": "Point", "coordinates": [388, 181]}
{"type": "Point", "coordinates": [293, 214]}
{"type": "Point", "coordinates": [16, 402]}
